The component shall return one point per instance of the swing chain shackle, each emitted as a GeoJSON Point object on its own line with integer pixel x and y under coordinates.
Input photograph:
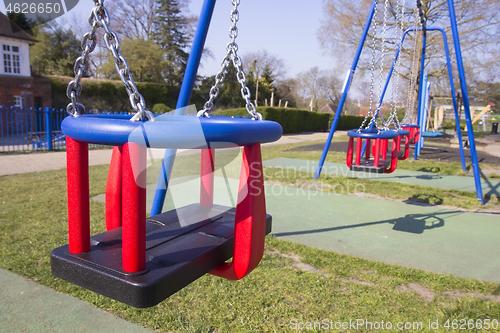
{"type": "Point", "coordinates": [231, 56]}
{"type": "Point", "coordinates": [99, 18]}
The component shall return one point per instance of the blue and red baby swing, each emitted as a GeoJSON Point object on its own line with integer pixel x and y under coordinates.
{"type": "Point", "coordinates": [371, 152]}
{"type": "Point", "coordinates": [141, 261]}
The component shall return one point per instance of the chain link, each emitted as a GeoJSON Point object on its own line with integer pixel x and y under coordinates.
{"type": "Point", "coordinates": [372, 74]}
{"type": "Point", "coordinates": [231, 56]}
{"type": "Point", "coordinates": [395, 88]}
{"type": "Point", "coordinates": [421, 14]}
{"type": "Point", "coordinates": [410, 105]}
{"type": "Point", "coordinates": [99, 18]}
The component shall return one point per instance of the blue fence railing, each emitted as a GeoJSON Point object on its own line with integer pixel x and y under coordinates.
{"type": "Point", "coordinates": [30, 129]}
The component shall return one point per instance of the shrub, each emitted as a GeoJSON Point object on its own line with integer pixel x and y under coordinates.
{"type": "Point", "coordinates": [160, 108]}
{"type": "Point", "coordinates": [292, 120]}
{"type": "Point", "coordinates": [111, 95]}
{"type": "Point", "coordinates": [296, 121]}
{"type": "Point", "coordinates": [348, 122]}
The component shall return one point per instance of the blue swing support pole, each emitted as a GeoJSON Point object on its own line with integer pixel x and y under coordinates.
{"type": "Point", "coordinates": [422, 114]}
{"type": "Point", "coordinates": [421, 87]}
{"type": "Point", "coordinates": [465, 96]}
{"type": "Point", "coordinates": [183, 100]}
{"type": "Point", "coordinates": [345, 90]}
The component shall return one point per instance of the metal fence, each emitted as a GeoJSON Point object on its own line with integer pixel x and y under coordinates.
{"type": "Point", "coordinates": [30, 129]}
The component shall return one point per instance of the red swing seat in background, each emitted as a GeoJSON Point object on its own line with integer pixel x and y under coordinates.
{"type": "Point", "coordinates": [414, 132]}
{"type": "Point", "coordinates": [375, 156]}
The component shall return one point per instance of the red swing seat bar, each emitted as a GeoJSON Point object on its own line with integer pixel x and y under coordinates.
{"type": "Point", "coordinates": [405, 152]}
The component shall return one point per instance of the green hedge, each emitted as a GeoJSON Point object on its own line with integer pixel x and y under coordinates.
{"type": "Point", "coordinates": [111, 95]}
{"type": "Point", "coordinates": [349, 122]}
{"type": "Point", "coordinates": [296, 121]}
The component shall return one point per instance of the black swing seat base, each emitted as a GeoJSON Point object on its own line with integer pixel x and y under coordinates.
{"type": "Point", "coordinates": [176, 255]}
{"type": "Point", "coordinates": [366, 165]}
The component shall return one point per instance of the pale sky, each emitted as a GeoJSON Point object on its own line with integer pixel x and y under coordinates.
{"type": "Point", "coordinates": [285, 28]}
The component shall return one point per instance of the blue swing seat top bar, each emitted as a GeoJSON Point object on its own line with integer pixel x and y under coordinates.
{"type": "Point", "coordinates": [179, 132]}
{"type": "Point", "coordinates": [373, 134]}
{"type": "Point", "coordinates": [403, 132]}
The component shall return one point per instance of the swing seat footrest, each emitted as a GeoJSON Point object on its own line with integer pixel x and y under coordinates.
{"type": "Point", "coordinates": [181, 246]}
{"type": "Point", "coordinates": [366, 165]}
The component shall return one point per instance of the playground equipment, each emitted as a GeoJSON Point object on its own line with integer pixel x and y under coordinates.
{"type": "Point", "coordinates": [141, 261]}
{"type": "Point", "coordinates": [414, 137]}
{"type": "Point", "coordinates": [374, 138]}
{"type": "Point", "coordinates": [481, 116]}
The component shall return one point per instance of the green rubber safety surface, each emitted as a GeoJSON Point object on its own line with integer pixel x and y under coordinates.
{"type": "Point", "coordinates": [431, 238]}
{"type": "Point", "coordinates": [458, 183]}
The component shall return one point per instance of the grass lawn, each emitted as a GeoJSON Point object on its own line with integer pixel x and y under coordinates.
{"type": "Point", "coordinates": [293, 283]}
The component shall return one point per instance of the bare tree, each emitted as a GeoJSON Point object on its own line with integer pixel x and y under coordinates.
{"type": "Point", "coordinates": [319, 86]}
{"type": "Point", "coordinates": [135, 17]}
{"type": "Point", "coordinates": [259, 61]}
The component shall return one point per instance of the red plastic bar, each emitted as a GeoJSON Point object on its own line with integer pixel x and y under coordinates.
{"type": "Point", "coordinates": [359, 145]}
{"type": "Point", "coordinates": [134, 208]}
{"type": "Point", "coordinates": [407, 147]}
{"type": "Point", "coordinates": [384, 145]}
{"type": "Point", "coordinates": [114, 191]}
{"type": "Point", "coordinates": [207, 178]}
{"type": "Point", "coordinates": [406, 151]}
{"type": "Point", "coordinates": [250, 219]}
{"type": "Point", "coordinates": [394, 157]}
{"type": "Point", "coordinates": [77, 155]}
{"type": "Point", "coordinates": [368, 149]}
{"type": "Point", "coordinates": [350, 152]}
{"type": "Point", "coordinates": [376, 153]}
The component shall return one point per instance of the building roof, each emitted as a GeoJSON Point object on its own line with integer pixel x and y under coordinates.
{"type": "Point", "coordinates": [6, 30]}
{"type": "Point", "coordinates": [328, 108]}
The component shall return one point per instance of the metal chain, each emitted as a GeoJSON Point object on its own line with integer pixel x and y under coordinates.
{"type": "Point", "coordinates": [99, 17]}
{"type": "Point", "coordinates": [384, 32]}
{"type": "Point", "coordinates": [372, 74]}
{"type": "Point", "coordinates": [395, 88]}
{"type": "Point", "coordinates": [421, 14]}
{"type": "Point", "coordinates": [408, 119]}
{"type": "Point", "coordinates": [231, 56]}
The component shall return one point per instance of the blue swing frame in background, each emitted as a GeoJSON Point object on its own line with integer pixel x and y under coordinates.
{"type": "Point", "coordinates": [463, 87]}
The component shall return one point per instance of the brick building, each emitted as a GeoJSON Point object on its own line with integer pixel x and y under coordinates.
{"type": "Point", "coordinates": [17, 84]}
